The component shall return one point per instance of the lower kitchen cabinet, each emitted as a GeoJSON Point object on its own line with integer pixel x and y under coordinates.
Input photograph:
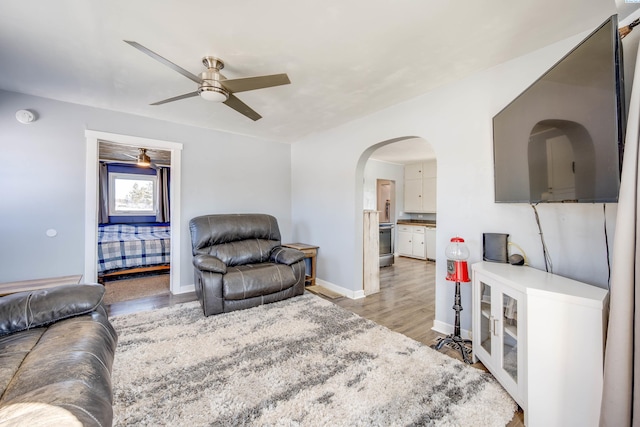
{"type": "Point", "coordinates": [430, 241]}
{"type": "Point", "coordinates": [411, 241]}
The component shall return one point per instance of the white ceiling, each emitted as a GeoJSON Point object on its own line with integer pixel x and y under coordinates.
{"type": "Point", "coordinates": [345, 59]}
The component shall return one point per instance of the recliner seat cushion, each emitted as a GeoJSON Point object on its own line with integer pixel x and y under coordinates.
{"type": "Point", "coordinates": [246, 281]}
{"type": "Point", "coordinates": [13, 349]}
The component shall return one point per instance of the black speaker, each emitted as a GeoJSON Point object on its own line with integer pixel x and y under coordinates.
{"type": "Point", "coordinates": [495, 247]}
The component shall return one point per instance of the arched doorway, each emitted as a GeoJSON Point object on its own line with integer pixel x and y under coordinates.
{"type": "Point", "coordinates": [383, 165]}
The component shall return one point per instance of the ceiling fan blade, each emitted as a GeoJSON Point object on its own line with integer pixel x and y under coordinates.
{"type": "Point", "coordinates": [253, 83]}
{"type": "Point", "coordinates": [176, 98]}
{"type": "Point", "coordinates": [165, 61]}
{"type": "Point", "coordinates": [241, 107]}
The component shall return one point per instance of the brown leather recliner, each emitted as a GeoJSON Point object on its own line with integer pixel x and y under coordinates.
{"type": "Point", "coordinates": [240, 263]}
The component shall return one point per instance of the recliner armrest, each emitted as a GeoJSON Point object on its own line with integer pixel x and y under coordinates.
{"type": "Point", "coordinates": [209, 263]}
{"type": "Point", "coordinates": [287, 256]}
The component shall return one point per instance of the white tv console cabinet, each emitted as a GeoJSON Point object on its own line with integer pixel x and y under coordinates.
{"type": "Point", "coordinates": [542, 337]}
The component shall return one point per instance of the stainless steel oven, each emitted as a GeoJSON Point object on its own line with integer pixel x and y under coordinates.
{"type": "Point", "coordinates": [386, 244]}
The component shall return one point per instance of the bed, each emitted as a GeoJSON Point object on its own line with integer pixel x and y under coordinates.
{"type": "Point", "coordinates": [132, 248]}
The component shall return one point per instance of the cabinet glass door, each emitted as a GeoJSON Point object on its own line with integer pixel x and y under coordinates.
{"type": "Point", "coordinates": [486, 320]}
{"type": "Point", "coordinates": [510, 336]}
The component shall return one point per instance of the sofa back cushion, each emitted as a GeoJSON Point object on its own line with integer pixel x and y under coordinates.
{"type": "Point", "coordinates": [235, 239]}
{"type": "Point", "coordinates": [32, 309]}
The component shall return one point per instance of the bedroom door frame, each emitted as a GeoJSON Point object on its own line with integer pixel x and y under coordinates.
{"type": "Point", "coordinates": [91, 200]}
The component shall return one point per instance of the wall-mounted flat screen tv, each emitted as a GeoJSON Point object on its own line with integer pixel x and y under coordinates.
{"type": "Point", "coordinates": [561, 140]}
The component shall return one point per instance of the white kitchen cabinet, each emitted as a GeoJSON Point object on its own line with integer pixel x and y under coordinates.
{"type": "Point", "coordinates": [430, 241]}
{"type": "Point", "coordinates": [541, 336]}
{"type": "Point", "coordinates": [417, 243]}
{"type": "Point", "coordinates": [405, 245]}
{"type": "Point", "coordinates": [414, 171]}
{"type": "Point", "coordinates": [429, 194]}
{"type": "Point", "coordinates": [411, 241]}
{"type": "Point", "coordinates": [420, 187]}
{"type": "Point", "coordinates": [413, 195]}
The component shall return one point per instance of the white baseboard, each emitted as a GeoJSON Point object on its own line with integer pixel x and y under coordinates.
{"type": "Point", "coordinates": [339, 289]}
{"type": "Point", "coordinates": [185, 289]}
{"type": "Point", "coordinates": [446, 329]}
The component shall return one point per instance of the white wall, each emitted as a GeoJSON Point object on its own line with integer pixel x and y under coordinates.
{"type": "Point", "coordinates": [375, 170]}
{"type": "Point", "coordinates": [42, 181]}
{"type": "Point", "coordinates": [456, 120]}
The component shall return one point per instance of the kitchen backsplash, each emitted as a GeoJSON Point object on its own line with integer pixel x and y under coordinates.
{"type": "Point", "coordinates": [422, 216]}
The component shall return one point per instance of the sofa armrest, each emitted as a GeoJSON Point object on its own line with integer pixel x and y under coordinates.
{"type": "Point", "coordinates": [209, 263]}
{"type": "Point", "coordinates": [287, 256]}
{"type": "Point", "coordinates": [32, 309]}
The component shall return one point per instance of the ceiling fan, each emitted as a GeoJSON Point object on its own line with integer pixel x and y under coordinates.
{"type": "Point", "coordinates": [213, 86]}
{"type": "Point", "coordinates": [143, 159]}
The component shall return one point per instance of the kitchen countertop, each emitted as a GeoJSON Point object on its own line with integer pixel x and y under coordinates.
{"type": "Point", "coordinates": [417, 222]}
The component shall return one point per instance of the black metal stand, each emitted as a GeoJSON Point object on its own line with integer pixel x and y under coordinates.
{"type": "Point", "coordinates": [454, 340]}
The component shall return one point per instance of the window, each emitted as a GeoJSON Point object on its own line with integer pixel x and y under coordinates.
{"type": "Point", "coordinates": [131, 194]}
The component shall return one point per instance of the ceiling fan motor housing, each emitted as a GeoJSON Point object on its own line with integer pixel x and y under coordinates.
{"type": "Point", "coordinates": [210, 88]}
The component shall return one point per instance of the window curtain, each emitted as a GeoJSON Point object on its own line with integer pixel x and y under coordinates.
{"type": "Point", "coordinates": [103, 194]}
{"type": "Point", "coordinates": [620, 403]}
{"type": "Point", "coordinates": [164, 213]}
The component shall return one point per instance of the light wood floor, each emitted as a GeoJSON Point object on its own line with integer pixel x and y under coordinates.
{"type": "Point", "coordinates": [405, 304]}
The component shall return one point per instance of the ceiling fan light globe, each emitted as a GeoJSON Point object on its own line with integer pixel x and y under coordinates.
{"type": "Point", "coordinates": [213, 94]}
{"type": "Point", "coordinates": [143, 159]}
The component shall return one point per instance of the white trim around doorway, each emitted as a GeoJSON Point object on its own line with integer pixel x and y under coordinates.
{"type": "Point", "coordinates": [91, 200]}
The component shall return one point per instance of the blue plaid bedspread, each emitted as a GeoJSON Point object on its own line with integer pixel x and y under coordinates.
{"type": "Point", "coordinates": [123, 246]}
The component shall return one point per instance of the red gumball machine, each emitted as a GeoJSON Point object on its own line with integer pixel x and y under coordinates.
{"type": "Point", "coordinates": [457, 271]}
{"type": "Point", "coordinates": [457, 254]}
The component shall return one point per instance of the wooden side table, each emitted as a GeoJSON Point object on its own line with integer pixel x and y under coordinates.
{"type": "Point", "coordinates": [310, 251]}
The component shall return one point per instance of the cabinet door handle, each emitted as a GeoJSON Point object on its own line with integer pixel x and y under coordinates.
{"type": "Point", "coordinates": [491, 325]}
{"type": "Point", "coordinates": [495, 326]}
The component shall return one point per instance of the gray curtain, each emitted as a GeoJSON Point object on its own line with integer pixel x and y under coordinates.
{"type": "Point", "coordinates": [103, 194]}
{"type": "Point", "coordinates": [164, 213]}
{"type": "Point", "coordinates": [620, 404]}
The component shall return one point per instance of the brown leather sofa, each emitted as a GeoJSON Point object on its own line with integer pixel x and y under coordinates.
{"type": "Point", "coordinates": [240, 263]}
{"type": "Point", "coordinates": [56, 353]}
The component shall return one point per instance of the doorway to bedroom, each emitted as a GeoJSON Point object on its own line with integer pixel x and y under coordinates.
{"type": "Point", "coordinates": [153, 155]}
{"type": "Point", "coordinates": [134, 228]}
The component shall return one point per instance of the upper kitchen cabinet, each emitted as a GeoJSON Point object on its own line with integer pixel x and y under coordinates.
{"type": "Point", "coordinates": [420, 187]}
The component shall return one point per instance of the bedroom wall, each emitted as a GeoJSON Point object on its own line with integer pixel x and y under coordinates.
{"type": "Point", "coordinates": [456, 120]}
{"type": "Point", "coordinates": [42, 181]}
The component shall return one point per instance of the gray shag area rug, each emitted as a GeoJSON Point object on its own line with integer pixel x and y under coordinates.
{"type": "Point", "coordinates": [300, 362]}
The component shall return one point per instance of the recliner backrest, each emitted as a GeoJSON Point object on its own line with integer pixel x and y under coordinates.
{"type": "Point", "coordinates": [235, 238]}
